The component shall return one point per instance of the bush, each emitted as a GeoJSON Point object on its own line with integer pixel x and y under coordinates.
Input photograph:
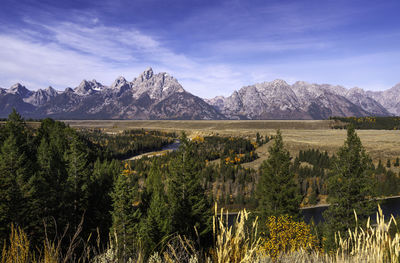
{"type": "Point", "coordinates": [287, 236]}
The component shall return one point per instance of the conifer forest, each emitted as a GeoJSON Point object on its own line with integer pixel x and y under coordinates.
{"type": "Point", "coordinates": [77, 195]}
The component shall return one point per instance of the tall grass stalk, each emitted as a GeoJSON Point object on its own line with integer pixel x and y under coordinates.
{"type": "Point", "coordinates": [17, 251]}
{"type": "Point", "coordinates": [235, 243]}
{"type": "Point", "coordinates": [238, 243]}
{"type": "Point", "coordinates": [372, 244]}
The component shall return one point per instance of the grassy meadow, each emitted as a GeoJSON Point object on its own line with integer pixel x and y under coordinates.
{"type": "Point", "coordinates": [298, 134]}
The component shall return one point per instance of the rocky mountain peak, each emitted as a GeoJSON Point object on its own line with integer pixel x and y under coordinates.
{"type": "Point", "coordinates": [51, 91]}
{"type": "Point", "coordinates": [302, 100]}
{"type": "Point", "coordinates": [20, 90]}
{"type": "Point", "coordinates": [160, 96]}
{"type": "Point", "coordinates": [356, 90]}
{"type": "Point", "coordinates": [147, 74]}
{"type": "Point", "coordinates": [156, 86]}
{"type": "Point", "coordinates": [279, 82]}
{"type": "Point", "coordinates": [301, 83]}
{"type": "Point", "coordinates": [120, 81]}
{"type": "Point", "coordinates": [120, 85]}
{"type": "Point", "coordinates": [41, 96]}
{"type": "Point", "coordinates": [68, 90]}
{"type": "Point", "coordinates": [88, 87]}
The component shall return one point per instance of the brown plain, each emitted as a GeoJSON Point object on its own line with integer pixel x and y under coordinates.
{"type": "Point", "coordinates": [297, 134]}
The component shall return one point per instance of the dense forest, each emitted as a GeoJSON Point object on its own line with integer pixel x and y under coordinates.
{"type": "Point", "coordinates": [128, 143]}
{"type": "Point", "coordinates": [367, 123]}
{"type": "Point", "coordinates": [73, 187]}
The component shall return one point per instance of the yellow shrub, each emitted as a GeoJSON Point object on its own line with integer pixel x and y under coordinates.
{"type": "Point", "coordinates": [286, 235]}
{"type": "Point", "coordinates": [198, 139]}
{"type": "Point", "coordinates": [18, 249]}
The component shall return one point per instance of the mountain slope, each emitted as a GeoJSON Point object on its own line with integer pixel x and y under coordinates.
{"type": "Point", "coordinates": [279, 100]}
{"type": "Point", "coordinates": [149, 96]}
{"type": "Point", "coordinates": [390, 98]}
{"type": "Point", "coordinates": [161, 96]}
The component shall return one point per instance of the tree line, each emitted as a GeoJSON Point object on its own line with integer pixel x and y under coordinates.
{"type": "Point", "coordinates": [367, 123]}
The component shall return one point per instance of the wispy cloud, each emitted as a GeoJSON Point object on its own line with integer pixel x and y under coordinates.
{"type": "Point", "coordinates": [211, 50]}
{"type": "Point", "coordinates": [75, 52]}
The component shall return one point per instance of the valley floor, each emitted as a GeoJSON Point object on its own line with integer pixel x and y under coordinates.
{"type": "Point", "coordinates": [297, 134]}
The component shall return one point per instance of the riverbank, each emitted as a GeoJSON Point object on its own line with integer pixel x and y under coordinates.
{"type": "Point", "coordinates": [165, 150]}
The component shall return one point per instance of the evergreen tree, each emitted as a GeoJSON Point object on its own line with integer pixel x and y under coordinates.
{"type": "Point", "coordinates": [15, 125]}
{"type": "Point", "coordinates": [258, 139]}
{"type": "Point", "coordinates": [189, 210]}
{"type": "Point", "coordinates": [50, 186]}
{"type": "Point", "coordinates": [388, 163]}
{"type": "Point", "coordinates": [126, 212]}
{"type": "Point", "coordinates": [12, 196]}
{"type": "Point", "coordinates": [155, 227]}
{"type": "Point", "coordinates": [380, 168]}
{"type": "Point", "coordinates": [78, 180]}
{"type": "Point", "coordinates": [350, 186]}
{"type": "Point", "coordinates": [397, 162]}
{"type": "Point", "coordinates": [277, 190]}
{"type": "Point", "coordinates": [100, 201]}
{"type": "Point", "coordinates": [16, 167]}
{"type": "Point", "coordinates": [313, 199]}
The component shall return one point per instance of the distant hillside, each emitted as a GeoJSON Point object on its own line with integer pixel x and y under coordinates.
{"type": "Point", "coordinates": [279, 100]}
{"type": "Point", "coordinates": [149, 96]}
{"type": "Point", "coordinates": [160, 96]}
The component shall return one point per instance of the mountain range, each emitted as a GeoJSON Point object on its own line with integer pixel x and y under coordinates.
{"type": "Point", "coordinates": [160, 96]}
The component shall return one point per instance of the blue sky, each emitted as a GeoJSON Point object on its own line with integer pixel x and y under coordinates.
{"type": "Point", "coordinates": [211, 47]}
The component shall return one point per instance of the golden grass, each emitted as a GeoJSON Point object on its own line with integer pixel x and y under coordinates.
{"type": "Point", "coordinates": [237, 244]}
{"type": "Point", "coordinates": [17, 250]}
{"type": "Point", "coordinates": [234, 243]}
{"type": "Point", "coordinates": [297, 134]}
{"type": "Point", "coordinates": [225, 126]}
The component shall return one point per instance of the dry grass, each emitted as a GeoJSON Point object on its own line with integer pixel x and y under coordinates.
{"type": "Point", "coordinates": [225, 127]}
{"type": "Point", "coordinates": [380, 144]}
{"type": "Point", "coordinates": [150, 154]}
{"type": "Point", "coordinates": [18, 249]}
{"type": "Point", "coordinates": [236, 244]}
{"type": "Point", "coordinates": [297, 134]}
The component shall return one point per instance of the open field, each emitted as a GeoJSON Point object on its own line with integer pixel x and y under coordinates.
{"type": "Point", "coordinates": [380, 144]}
{"type": "Point", "coordinates": [217, 126]}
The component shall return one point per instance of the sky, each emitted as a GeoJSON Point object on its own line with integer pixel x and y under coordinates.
{"type": "Point", "coordinates": [211, 47]}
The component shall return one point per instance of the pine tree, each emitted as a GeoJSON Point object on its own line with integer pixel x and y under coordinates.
{"type": "Point", "coordinates": [100, 202]}
{"type": "Point", "coordinates": [189, 210]}
{"type": "Point", "coordinates": [380, 168]}
{"type": "Point", "coordinates": [126, 212]}
{"type": "Point", "coordinates": [12, 199]}
{"type": "Point", "coordinates": [350, 186]}
{"type": "Point", "coordinates": [277, 190]}
{"type": "Point", "coordinates": [397, 163]}
{"type": "Point", "coordinates": [314, 194]}
{"type": "Point", "coordinates": [48, 199]}
{"type": "Point", "coordinates": [388, 163]}
{"type": "Point", "coordinates": [258, 139]}
{"type": "Point", "coordinates": [15, 125]}
{"type": "Point", "coordinates": [155, 227]}
{"type": "Point", "coordinates": [78, 180]}
{"type": "Point", "coordinates": [16, 170]}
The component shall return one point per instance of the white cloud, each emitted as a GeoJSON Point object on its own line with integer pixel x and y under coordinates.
{"type": "Point", "coordinates": [41, 65]}
{"type": "Point", "coordinates": [103, 53]}
{"type": "Point", "coordinates": [73, 52]}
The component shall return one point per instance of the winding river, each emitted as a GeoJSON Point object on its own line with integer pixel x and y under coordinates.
{"type": "Point", "coordinates": [170, 147]}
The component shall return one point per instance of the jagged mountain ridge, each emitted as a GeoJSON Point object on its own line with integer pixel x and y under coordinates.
{"type": "Point", "coordinates": [302, 100]}
{"type": "Point", "coordinates": [160, 96]}
{"type": "Point", "coordinates": [390, 98]}
{"type": "Point", "coordinates": [149, 96]}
